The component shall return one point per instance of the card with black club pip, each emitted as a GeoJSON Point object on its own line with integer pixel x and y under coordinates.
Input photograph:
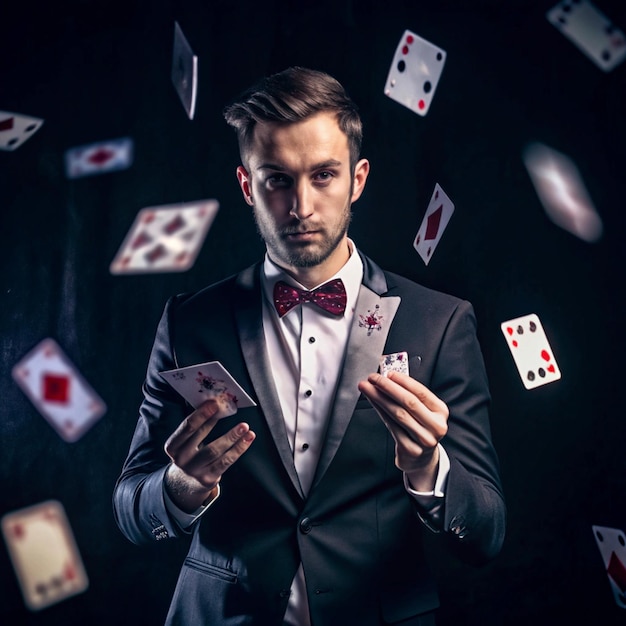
{"type": "Point", "coordinates": [434, 222]}
{"type": "Point", "coordinates": [414, 73]}
{"type": "Point", "coordinates": [44, 554]}
{"type": "Point", "coordinates": [184, 71]}
{"type": "Point", "coordinates": [592, 32]}
{"type": "Point", "coordinates": [15, 129]}
{"type": "Point", "coordinates": [57, 389]}
{"type": "Point", "coordinates": [165, 238]}
{"type": "Point", "coordinates": [198, 383]}
{"type": "Point", "coordinates": [531, 351]}
{"type": "Point", "coordinates": [612, 545]}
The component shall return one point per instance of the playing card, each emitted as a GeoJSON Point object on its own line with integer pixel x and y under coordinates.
{"type": "Point", "coordinates": [591, 31]}
{"type": "Point", "coordinates": [198, 383]}
{"type": "Point", "coordinates": [612, 545]}
{"type": "Point", "coordinates": [562, 191]}
{"type": "Point", "coordinates": [46, 560]}
{"type": "Point", "coordinates": [184, 71]}
{"type": "Point", "coordinates": [436, 218]}
{"type": "Point", "coordinates": [395, 362]}
{"type": "Point", "coordinates": [414, 72]}
{"type": "Point", "coordinates": [16, 129]}
{"type": "Point", "coordinates": [165, 238]}
{"type": "Point", "coordinates": [531, 351]}
{"type": "Point", "coordinates": [99, 158]}
{"type": "Point", "coordinates": [58, 391]}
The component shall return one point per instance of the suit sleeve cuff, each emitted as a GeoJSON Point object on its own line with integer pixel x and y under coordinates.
{"type": "Point", "coordinates": [183, 519]}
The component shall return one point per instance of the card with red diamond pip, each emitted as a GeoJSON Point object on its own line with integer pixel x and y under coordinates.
{"type": "Point", "coordinates": [57, 389]}
{"type": "Point", "coordinates": [99, 158]}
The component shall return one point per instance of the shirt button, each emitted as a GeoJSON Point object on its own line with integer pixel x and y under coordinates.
{"type": "Point", "coordinates": [308, 392]}
{"type": "Point", "coordinates": [311, 339]}
{"type": "Point", "coordinates": [305, 446]}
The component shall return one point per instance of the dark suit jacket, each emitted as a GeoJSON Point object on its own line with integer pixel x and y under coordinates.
{"type": "Point", "coordinates": [357, 533]}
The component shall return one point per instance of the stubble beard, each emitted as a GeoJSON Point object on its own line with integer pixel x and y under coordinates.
{"type": "Point", "coordinates": [305, 254]}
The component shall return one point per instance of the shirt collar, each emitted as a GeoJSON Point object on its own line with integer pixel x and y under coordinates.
{"type": "Point", "coordinates": [351, 274]}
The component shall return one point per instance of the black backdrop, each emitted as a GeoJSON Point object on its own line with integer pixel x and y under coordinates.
{"type": "Point", "coordinates": [101, 70]}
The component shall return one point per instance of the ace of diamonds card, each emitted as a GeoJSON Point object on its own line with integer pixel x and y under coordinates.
{"type": "Point", "coordinates": [58, 391]}
{"type": "Point", "coordinates": [44, 554]}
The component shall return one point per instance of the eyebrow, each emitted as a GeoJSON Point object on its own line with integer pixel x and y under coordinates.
{"type": "Point", "coordinates": [317, 166]}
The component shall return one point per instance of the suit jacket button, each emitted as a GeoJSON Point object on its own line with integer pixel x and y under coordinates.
{"type": "Point", "coordinates": [305, 525]}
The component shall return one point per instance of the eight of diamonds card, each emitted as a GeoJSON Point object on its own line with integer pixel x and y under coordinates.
{"type": "Point", "coordinates": [184, 71]}
{"type": "Point", "coordinates": [46, 560]}
{"type": "Point", "coordinates": [197, 383]}
{"type": "Point", "coordinates": [16, 129]}
{"type": "Point", "coordinates": [414, 72]}
{"type": "Point", "coordinates": [165, 238]}
{"type": "Point", "coordinates": [612, 545]}
{"type": "Point", "coordinates": [58, 391]}
{"type": "Point", "coordinates": [436, 218]}
{"type": "Point", "coordinates": [99, 158]}
{"type": "Point", "coordinates": [531, 351]}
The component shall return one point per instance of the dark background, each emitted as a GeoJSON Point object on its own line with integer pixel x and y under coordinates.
{"type": "Point", "coordinates": [101, 70]}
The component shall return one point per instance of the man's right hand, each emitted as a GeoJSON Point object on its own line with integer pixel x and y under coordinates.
{"type": "Point", "coordinates": [197, 467]}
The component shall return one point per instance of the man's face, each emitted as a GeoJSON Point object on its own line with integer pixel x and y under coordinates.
{"type": "Point", "coordinates": [301, 187]}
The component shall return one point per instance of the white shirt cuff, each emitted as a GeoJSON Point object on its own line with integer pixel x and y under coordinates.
{"type": "Point", "coordinates": [440, 482]}
{"type": "Point", "coordinates": [183, 519]}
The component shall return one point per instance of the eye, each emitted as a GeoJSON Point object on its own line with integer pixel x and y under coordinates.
{"type": "Point", "coordinates": [324, 176]}
{"type": "Point", "coordinates": [278, 181]}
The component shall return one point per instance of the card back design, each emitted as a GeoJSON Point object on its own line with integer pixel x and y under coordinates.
{"type": "Point", "coordinates": [184, 71]}
{"type": "Point", "coordinates": [414, 73]}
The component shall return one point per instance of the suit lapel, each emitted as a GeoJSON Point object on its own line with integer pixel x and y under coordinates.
{"type": "Point", "coordinates": [249, 315]}
{"type": "Point", "coordinates": [373, 316]}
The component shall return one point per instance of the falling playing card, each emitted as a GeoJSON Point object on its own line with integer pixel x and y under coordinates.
{"type": "Point", "coordinates": [562, 192]}
{"type": "Point", "coordinates": [46, 560]}
{"type": "Point", "coordinates": [395, 362]}
{"type": "Point", "coordinates": [531, 351]}
{"type": "Point", "coordinates": [414, 72]}
{"type": "Point", "coordinates": [165, 238]}
{"type": "Point", "coordinates": [99, 158]}
{"type": "Point", "coordinates": [612, 545]}
{"type": "Point", "coordinates": [198, 383]}
{"type": "Point", "coordinates": [58, 391]}
{"type": "Point", "coordinates": [16, 129]}
{"type": "Point", "coordinates": [591, 31]}
{"type": "Point", "coordinates": [184, 71]}
{"type": "Point", "coordinates": [436, 218]}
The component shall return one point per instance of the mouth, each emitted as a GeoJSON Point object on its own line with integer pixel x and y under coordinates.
{"type": "Point", "coordinates": [306, 235]}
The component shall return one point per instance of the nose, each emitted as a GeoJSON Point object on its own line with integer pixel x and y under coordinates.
{"type": "Point", "coordinates": [301, 202]}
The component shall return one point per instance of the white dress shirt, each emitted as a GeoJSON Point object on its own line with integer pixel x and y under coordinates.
{"type": "Point", "coordinates": [306, 348]}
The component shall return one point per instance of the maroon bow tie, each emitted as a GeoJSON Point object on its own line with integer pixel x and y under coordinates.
{"type": "Point", "coordinates": [330, 296]}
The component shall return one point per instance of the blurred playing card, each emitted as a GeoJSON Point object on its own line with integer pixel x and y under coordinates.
{"type": "Point", "coordinates": [612, 545]}
{"type": "Point", "coordinates": [198, 383]}
{"type": "Point", "coordinates": [16, 129]}
{"type": "Point", "coordinates": [395, 362]}
{"type": "Point", "coordinates": [414, 72]}
{"type": "Point", "coordinates": [591, 31]}
{"type": "Point", "coordinates": [436, 218]}
{"type": "Point", "coordinates": [99, 158]}
{"type": "Point", "coordinates": [46, 560]}
{"type": "Point", "coordinates": [531, 351]}
{"type": "Point", "coordinates": [165, 238]}
{"type": "Point", "coordinates": [58, 391]}
{"type": "Point", "coordinates": [562, 191]}
{"type": "Point", "coordinates": [184, 71]}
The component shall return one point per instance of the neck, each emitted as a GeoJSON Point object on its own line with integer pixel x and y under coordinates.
{"type": "Point", "coordinates": [311, 277]}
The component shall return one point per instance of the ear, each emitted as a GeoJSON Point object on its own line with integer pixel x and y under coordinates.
{"type": "Point", "coordinates": [244, 182]}
{"type": "Point", "coordinates": [361, 170]}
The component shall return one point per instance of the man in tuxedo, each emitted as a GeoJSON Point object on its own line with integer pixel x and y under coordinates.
{"type": "Point", "coordinates": [310, 508]}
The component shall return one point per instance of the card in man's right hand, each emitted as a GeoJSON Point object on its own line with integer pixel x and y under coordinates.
{"type": "Point", "coordinates": [198, 383]}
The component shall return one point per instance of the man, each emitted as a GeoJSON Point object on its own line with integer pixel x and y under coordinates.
{"type": "Point", "coordinates": [310, 507]}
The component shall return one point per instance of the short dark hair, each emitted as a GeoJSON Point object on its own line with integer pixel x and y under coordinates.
{"type": "Point", "coordinates": [291, 96]}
